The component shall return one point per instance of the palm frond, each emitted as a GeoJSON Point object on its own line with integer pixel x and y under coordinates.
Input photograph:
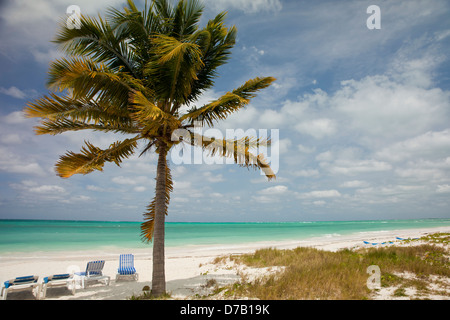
{"type": "Point", "coordinates": [93, 158]}
{"type": "Point", "coordinates": [148, 114]}
{"type": "Point", "coordinates": [240, 150]}
{"type": "Point", "coordinates": [61, 114]}
{"type": "Point", "coordinates": [229, 103]}
{"type": "Point", "coordinates": [147, 226]}
{"type": "Point", "coordinates": [90, 80]}
{"type": "Point", "coordinates": [216, 42]}
{"type": "Point", "coordinates": [54, 127]}
{"type": "Point", "coordinates": [217, 110]}
{"type": "Point", "coordinates": [97, 39]}
{"type": "Point", "coordinates": [186, 17]}
{"type": "Point", "coordinates": [248, 89]}
{"type": "Point", "coordinates": [136, 27]}
{"type": "Point", "coordinates": [265, 167]}
{"type": "Point", "coordinates": [175, 66]}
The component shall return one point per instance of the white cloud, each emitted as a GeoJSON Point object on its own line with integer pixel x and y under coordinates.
{"type": "Point", "coordinates": [320, 194]}
{"type": "Point", "coordinates": [248, 6]}
{"type": "Point", "coordinates": [15, 117]}
{"type": "Point", "coordinates": [276, 190]}
{"type": "Point", "coordinates": [75, 199]}
{"type": "Point", "coordinates": [350, 161]}
{"type": "Point", "coordinates": [181, 185]}
{"type": "Point", "coordinates": [35, 24]}
{"type": "Point", "coordinates": [271, 119]}
{"type": "Point", "coordinates": [50, 189]}
{"type": "Point", "coordinates": [318, 128]}
{"type": "Point", "coordinates": [282, 145]}
{"type": "Point", "coordinates": [391, 106]}
{"type": "Point", "coordinates": [350, 167]}
{"type": "Point", "coordinates": [305, 173]}
{"type": "Point", "coordinates": [305, 149]}
{"type": "Point", "coordinates": [395, 192]}
{"type": "Point", "coordinates": [124, 180]}
{"type": "Point", "coordinates": [420, 174]}
{"type": "Point", "coordinates": [428, 145]}
{"type": "Point", "coordinates": [12, 138]}
{"type": "Point", "coordinates": [13, 163]}
{"type": "Point", "coordinates": [354, 184]}
{"type": "Point", "coordinates": [445, 188]}
{"type": "Point", "coordinates": [94, 188]}
{"type": "Point", "coordinates": [382, 109]}
{"type": "Point", "coordinates": [213, 178]}
{"type": "Point", "coordinates": [140, 189]}
{"type": "Point", "coordinates": [13, 92]}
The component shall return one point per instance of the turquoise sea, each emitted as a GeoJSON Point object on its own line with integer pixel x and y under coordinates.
{"type": "Point", "coordinates": [50, 235]}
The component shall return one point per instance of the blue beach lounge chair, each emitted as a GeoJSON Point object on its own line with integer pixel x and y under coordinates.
{"type": "Point", "coordinates": [126, 267]}
{"type": "Point", "coordinates": [21, 283]}
{"type": "Point", "coordinates": [407, 239]}
{"type": "Point", "coordinates": [58, 280]}
{"type": "Point", "coordinates": [93, 273]}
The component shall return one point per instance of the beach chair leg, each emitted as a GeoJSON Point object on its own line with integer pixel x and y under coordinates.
{"type": "Point", "coordinates": [73, 287]}
{"type": "Point", "coordinates": [5, 294]}
{"type": "Point", "coordinates": [44, 291]}
{"type": "Point", "coordinates": [38, 291]}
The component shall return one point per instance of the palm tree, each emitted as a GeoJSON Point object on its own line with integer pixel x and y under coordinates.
{"type": "Point", "coordinates": [133, 73]}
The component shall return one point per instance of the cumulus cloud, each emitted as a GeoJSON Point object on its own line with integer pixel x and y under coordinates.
{"type": "Point", "coordinates": [276, 190]}
{"type": "Point", "coordinates": [11, 162]}
{"type": "Point", "coordinates": [432, 144]}
{"type": "Point", "coordinates": [13, 92]}
{"type": "Point", "coordinates": [445, 188]}
{"type": "Point", "coordinates": [320, 194]}
{"type": "Point", "coordinates": [350, 167]}
{"type": "Point", "coordinates": [34, 24]}
{"type": "Point", "coordinates": [354, 184]}
{"type": "Point", "coordinates": [47, 189]}
{"type": "Point", "coordinates": [248, 6]}
{"type": "Point", "coordinates": [318, 128]}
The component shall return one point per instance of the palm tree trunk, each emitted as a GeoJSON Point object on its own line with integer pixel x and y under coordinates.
{"type": "Point", "coordinates": [159, 277]}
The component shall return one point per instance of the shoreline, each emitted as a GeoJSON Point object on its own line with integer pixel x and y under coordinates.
{"type": "Point", "coordinates": [186, 267]}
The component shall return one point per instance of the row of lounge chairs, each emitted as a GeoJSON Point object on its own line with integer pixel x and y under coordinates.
{"type": "Point", "coordinates": [387, 242]}
{"type": "Point", "coordinates": [93, 272]}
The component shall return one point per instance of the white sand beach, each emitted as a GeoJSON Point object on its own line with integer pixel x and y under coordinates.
{"type": "Point", "coordinates": [187, 268]}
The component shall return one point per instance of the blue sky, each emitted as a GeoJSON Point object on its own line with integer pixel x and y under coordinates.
{"type": "Point", "coordinates": [363, 118]}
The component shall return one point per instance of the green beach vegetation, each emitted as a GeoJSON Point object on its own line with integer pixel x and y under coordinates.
{"type": "Point", "coordinates": [140, 74]}
{"type": "Point", "coordinates": [310, 273]}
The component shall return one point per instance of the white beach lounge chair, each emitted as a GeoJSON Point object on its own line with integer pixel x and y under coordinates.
{"type": "Point", "coordinates": [20, 284]}
{"type": "Point", "coordinates": [58, 280]}
{"type": "Point", "coordinates": [126, 267]}
{"type": "Point", "coordinates": [93, 273]}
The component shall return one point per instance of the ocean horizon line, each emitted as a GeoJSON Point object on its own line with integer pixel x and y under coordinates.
{"type": "Point", "coordinates": [235, 222]}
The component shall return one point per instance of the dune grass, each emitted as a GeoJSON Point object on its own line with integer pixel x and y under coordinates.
{"type": "Point", "coordinates": [310, 273]}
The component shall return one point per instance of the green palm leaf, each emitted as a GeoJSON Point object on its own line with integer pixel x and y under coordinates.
{"type": "Point", "coordinates": [240, 150]}
{"type": "Point", "coordinates": [96, 39]}
{"type": "Point", "coordinates": [93, 158]}
{"type": "Point", "coordinates": [147, 113]}
{"type": "Point", "coordinates": [61, 114]}
{"type": "Point", "coordinates": [229, 103]}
